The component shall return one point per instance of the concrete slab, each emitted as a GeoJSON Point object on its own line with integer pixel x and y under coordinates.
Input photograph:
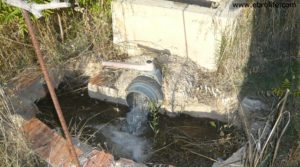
{"type": "Point", "coordinates": [152, 23]}
{"type": "Point", "coordinates": [102, 86]}
{"type": "Point", "coordinates": [202, 36]}
{"type": "Point", "coordinates": [105, 94]}
{"type": "Point", "coordinates": [184, 30]}
{"type": "Point", "coordinates": [180, 85]}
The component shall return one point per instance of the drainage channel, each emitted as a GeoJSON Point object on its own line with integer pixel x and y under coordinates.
{"type": "Point", "coordinates": [126, 132]}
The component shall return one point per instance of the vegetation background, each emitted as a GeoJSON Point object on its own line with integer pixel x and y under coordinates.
{"type": "Point", "coordinates": [263, 56]}
{"type": "Point", "coordinates": [84, 28]}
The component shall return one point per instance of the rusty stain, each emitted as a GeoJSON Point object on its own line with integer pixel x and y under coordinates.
{"type": "Point", "coordinates": [97, 80]}
{"type": "Point", "coordinates": [48, 144]}
{"type": "Point", "coordinates": [53, 148]}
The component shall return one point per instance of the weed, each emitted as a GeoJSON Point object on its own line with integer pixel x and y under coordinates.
{"type": "Point", "coordinates": [286, 84]}
{"type": "Point", "coordinates": [154, 118]}
{"type": "Point", "coordinates": [13, 15]}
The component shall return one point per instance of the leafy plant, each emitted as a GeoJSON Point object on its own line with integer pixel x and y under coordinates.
{"type": "Point", "coordinates": [154, 118]}
{"type": "Point", "coordinates": [286, 84]}
{"type": "Point", "coordinates": [13, 15]}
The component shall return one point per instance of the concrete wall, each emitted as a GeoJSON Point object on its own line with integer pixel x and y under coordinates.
{"type": "Point", "coordinates": [184, 30]}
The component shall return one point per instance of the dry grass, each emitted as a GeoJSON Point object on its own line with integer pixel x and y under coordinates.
{"type": "Point", "coordinates": [264, 44]}
{"type": "Point", "coordinates": [262, 149]}
{"type": "Point", "coordinates": [15, 53]}
{"type": "Point", "coordinates": [196, 150]}
{"type": "Point", "coordinates": [234, 51]}
{"type": "Point", "coordinates": [14, 148]}
{"type": "Point", "coordinates": [63, 35]}
{"type": "Point", "coordinates": [233, 55]}
{"type": "Point", "coordinates": [262, 54]}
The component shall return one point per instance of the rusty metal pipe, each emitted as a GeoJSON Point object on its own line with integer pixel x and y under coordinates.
{"type": "Point", "coordinates": [50, 86]}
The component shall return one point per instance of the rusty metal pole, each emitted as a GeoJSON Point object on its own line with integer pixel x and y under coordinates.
{"type": "Point", "coordinates": [50, 86]}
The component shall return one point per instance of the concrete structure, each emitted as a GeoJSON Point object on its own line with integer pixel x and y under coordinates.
{"type": "Point", "coordinates": [180, 88]}
{"type": "Point", "coordinates": [50, 146]}
{"type": "Point", "coordinates": [180, 29]}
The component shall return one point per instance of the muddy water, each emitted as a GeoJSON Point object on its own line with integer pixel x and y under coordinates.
{"type": "Point", "coordinates": [181, 141]}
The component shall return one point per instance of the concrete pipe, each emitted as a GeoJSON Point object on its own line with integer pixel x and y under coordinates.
{"type": "Point", "coordinates": [143, 86]}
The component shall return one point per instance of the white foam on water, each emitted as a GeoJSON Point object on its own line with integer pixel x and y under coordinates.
{"type": "Point", "coordinates": [125, 144]}
{"type": "Point", "coordinates": [125, 137]}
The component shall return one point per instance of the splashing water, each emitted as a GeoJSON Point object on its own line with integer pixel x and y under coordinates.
{"type": "Point", "coordinates": [125, 136]}
{"type": "Point", "coordinates": [127, 145]}
{"type": "Point", "coordinates": [137, 118]}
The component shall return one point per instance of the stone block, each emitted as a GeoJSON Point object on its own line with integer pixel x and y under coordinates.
{"type": "Point", "coordinates": [185, 30]}
{"type": "Point", "coordinates": [152, 23]}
